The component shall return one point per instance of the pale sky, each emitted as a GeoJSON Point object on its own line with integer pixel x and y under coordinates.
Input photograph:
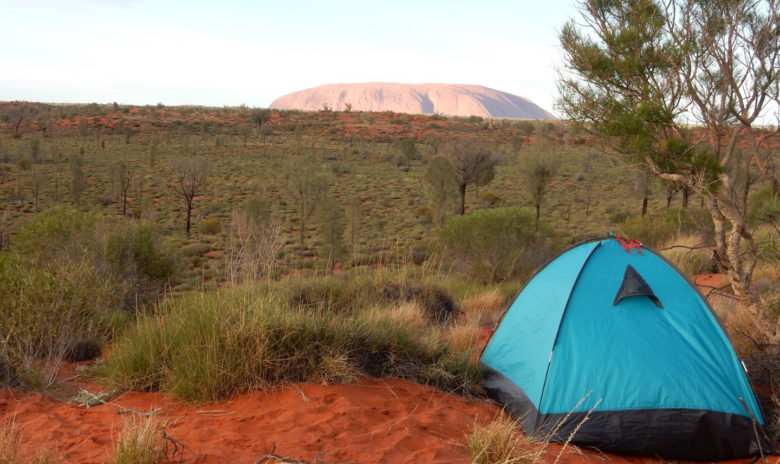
{"type": "Point", "coordinates": [236, 52]}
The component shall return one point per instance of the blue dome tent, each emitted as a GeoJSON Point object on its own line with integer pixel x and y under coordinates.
{"type": "Point", "coordinates": [609, 345]}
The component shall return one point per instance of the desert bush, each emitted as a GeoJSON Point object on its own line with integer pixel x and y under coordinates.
{"type": "Point", "coordinates": [65, 283]}
{"type": "Point", "coordinates": [47, 311]}
{"type": "Point", "coordinates": [656, 230]}
{"type": "Point", "coordinates": [490, 199]}
{"type": "Point", "coordinates": [139, 251]}
{"type": "Point", "coordinates": [497, 442]}
{"type": "Point", "coordinates": [495, 244]}
{"type": "Point", "coordinates": [212, 226]}
{"type": "Point", "coordinates": [204, 346]}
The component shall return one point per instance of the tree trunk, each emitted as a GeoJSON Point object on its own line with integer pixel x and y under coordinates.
{"type": "Point", "coordinates": [684, 192]}
{"type": "Point", "coordinates": [189, 213]}
{"type": "Point", "coordinates": [644, 206]}
{"type": "Point", "coordinates": [462, 191]}
{"type": "Point", "coordinates": [538, 213]}
{"type": "Point", "coordinates": [738, 263]}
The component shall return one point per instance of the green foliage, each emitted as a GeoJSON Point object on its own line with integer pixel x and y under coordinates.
{"type": "Point", "coordinates": [139, 251]}
{"type": "Point", "coordinates": [764, 207]}
{"type": "Point", "coordinates": [203, 347]}
{"type": "Point", "coordinates": [442, 186]}
{"type": "Point", "coordinates": [212, 226]}
{"type": "Point", "coordinates": [67, 278]}
{"type": "Point", "coordinates": [538, 168]}
{"type": "Point", "coordinates": [656, 230]}
{"type": "Point", "coordinates": [495, 244]}
{"type": "Point", "coordinates": [48, 309]}
{"type": "Point", "coordinates": [331, 225]}
{"type": "Point", "coordinates": [408, 150]}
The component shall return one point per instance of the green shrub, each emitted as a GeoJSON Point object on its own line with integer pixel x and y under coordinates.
{"type": "Point", "coordinates": [65, 283]}
{"type": "Point", "coordinates": [140, 251]}
{"type": "Point", "coordinates": [212, 226]}
{"type": "Point", "coordinates": [656, 230]}
{"type": "Point", "coordinates": [46, 312]}
{"type": "Point", "coordinates": [205, 346]}
{"type": "Point", "coordinates": [495, 244]}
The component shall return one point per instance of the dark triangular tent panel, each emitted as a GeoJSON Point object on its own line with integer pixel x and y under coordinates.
{"type": "Point", "coordinates": [585, 354]}
{"type": "Point", "coordinates": [634, 285]}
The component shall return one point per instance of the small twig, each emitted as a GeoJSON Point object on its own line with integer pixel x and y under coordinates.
{"type": "Point", "coordinates": [178, 448]}
{"type": "Point", "coordinates": [215, 412]}
{"type": "Point", "coordinates": [135, 411]}
{"type": "Point", "coordinates": [303, 395]}
{"type": "Point", "coordinates": [390, 428]}
{"type": "Point", "coordinates": [755, 429]}
{"type": "Point", "coordinates": [695, 247]}
{"type": "Point", "coordinates": [277, 457]}
{"type": "Point", "coordinates": [751, 339]}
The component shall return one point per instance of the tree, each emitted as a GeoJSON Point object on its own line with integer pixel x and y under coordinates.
{"type": "Point", "coordinates": [354, 218]}
{"type": "Point", "coordinates": [244, 130]}
{"type": "Point", "coordinates": [259, 116]}
{"type": "Point", "coordinates": [637, 71]}
{"type": "Point", "coordinates": [538, 169]}
{"type": "Point", "coordinates": [77, 181]}
{"type": "Point", "coordinates": [473, 163]}
{"type": "Point", "coordinates": [306, 186]}
{"type": "Point", "coordinates": [121, 176]}
{"type": "Point", "coordinates": [442, 186]}
{"type": "Point", "coordinates": [331, 224]}
{"type": "Point", "coordinates": [255, 241]}
{"type": "Point", "coordinates": [190, 174]}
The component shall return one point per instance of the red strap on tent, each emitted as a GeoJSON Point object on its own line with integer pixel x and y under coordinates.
{"type": "Point", "coordinates": [630, 244]}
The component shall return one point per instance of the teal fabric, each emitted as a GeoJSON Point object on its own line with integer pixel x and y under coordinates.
{"type": "Point", "coordinates": [520, 348]}
{"type": "Point", "coordinates": [633, 355]}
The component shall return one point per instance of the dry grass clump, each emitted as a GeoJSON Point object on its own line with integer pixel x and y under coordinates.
{"type": "Point", "coordinates": [484, 308]}
{"type": "Point", "coordinates": [464, 336]}
{"type": "Point", "coordinates": [499, 442]}
{"type": "Point", "coordinates": [10, 441]}
{"type": "Point", "coordinates": [688, 252]}
{"type": "Point", "coordinates": [738, 323]}
{"type": "Point", "coordinates": [45, 455]}
{"type": "Point", "coordinates": [140, 441]}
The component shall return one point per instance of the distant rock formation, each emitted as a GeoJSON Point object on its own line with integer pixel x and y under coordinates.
{"type": "Point", "coordinates": [446, 99]}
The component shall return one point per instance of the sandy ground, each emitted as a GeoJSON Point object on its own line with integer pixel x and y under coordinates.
{"type": "Point", "coordinates": [371, 420]}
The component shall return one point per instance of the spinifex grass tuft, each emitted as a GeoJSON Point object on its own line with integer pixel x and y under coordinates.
{"type": "Point", "coordinates": [140, 441]}
{"type": "Point", "coordinates": [205, 346]}
{"type": "Point", "coordinates": [498, 442]}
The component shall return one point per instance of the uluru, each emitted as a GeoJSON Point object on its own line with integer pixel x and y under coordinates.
{"type": "Point", "coordinates": [445, 99]}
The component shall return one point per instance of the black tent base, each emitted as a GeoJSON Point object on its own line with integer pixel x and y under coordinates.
{"type": "Point", "coordinates": [686, 434]}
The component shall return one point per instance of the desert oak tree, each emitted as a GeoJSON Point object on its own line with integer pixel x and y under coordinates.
{"type": "Point", "coordinates": [473, 163]}
{"type": "Point", "coordinates": [190, 174]}
{"type": "Point", "coordinates": [678, 85]}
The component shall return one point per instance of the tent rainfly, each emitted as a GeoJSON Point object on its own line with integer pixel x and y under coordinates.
{"type": "Point", "coordinates": [611, 347]}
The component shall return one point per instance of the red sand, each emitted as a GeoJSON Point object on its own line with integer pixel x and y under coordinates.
{"type": "Point", "coordinates": [372, 420]}
{"type": "Point", "coordinates": [369, 421]}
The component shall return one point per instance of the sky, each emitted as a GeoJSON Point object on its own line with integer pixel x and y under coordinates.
{"type": "Point", "coordinates": [228, 53]}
